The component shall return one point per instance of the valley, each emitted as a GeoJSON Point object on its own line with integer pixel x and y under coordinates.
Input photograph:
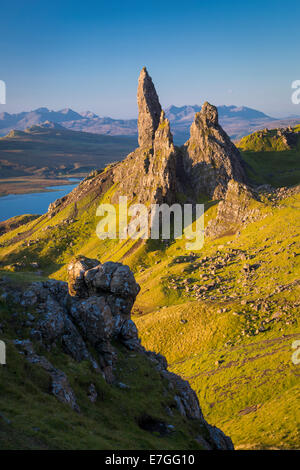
{"type": "Point", "coordinates": [48, 155]}
{"type": "Point", "coordinates": [224, 317]}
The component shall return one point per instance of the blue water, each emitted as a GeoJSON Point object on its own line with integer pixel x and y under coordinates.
{"type": "Point", "coordinates": [32, 203]}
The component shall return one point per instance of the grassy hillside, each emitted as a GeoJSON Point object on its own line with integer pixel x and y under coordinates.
{"type": "Point", "coordinates": [270, 159]}
{"type": "Point", "coordinates": [225, 316]}
{"type": "Point", "coordinates": [32, 418]}
{"type": "Point", "coordinates": [229, 333]}
{"type": "Point", "coordinates": [234, 344]}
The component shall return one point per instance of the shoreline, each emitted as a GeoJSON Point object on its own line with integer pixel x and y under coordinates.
{"type": "Point", "coordinates": [32, 186]}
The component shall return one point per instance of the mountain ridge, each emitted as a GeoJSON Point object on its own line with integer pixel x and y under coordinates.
{"type": "Point", "coordinates": [237, 120]}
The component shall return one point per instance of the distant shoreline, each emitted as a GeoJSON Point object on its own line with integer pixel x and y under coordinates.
{"type": "Point", "coordinates": [27, 185]}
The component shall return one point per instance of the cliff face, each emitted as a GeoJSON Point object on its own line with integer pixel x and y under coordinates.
{"type": "Point", "coordinates": [89, 319]}
{"type": "Point", "coordinates": [148, 174]}
{"type": "Point", "coordinates": [149, 110]}
{"type": "Point", "coordinates": [209, 157]}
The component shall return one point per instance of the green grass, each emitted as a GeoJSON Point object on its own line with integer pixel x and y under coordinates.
{"type": "Point", "coordinates": [274, 168]}
{"type": "Point", "coordinates": [31, 418]}
{"type": "Point", "coordinates": [269, 160]}
{"type": "Point", "coordinates": [212, 341]}
{"type": "Point", "coordinates": [253, 368]}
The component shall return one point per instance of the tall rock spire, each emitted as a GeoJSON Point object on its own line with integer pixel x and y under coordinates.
{"type": "Point", "coordinates": [149, 110]}
{"type": "Point", "coordinates": [149, 173]}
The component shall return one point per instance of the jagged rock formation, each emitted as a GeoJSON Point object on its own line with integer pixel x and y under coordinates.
{"type": "Point", "coordinates": [94, 308]}
{"type": "Point", "coordinates": [149, 110]}
{"type": "Point", "coordinates": [157, 171]}
{"type": "Point", "coordinates": [149, 173]}
{"type": "Point", "coordinates": [89, 313]}
{"type": "Point", "coordinates": [149, 176]}
{"type": "Point", "coordinates": [234, 211]}
{"type": "Point", "coordinates": [209, 158]}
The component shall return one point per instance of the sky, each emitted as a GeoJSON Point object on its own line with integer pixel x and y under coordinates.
{"type": "Point", "coordinates": [87, 55]}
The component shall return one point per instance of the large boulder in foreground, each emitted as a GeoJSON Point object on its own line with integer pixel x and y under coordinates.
{"type": "Point", "coordinates": [89, 277]}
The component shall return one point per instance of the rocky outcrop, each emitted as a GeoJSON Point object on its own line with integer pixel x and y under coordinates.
{"type": "Point", "coordinates": [209, 158]}
{"type": "Point", "coordinates": [93, 313]}
{"type": "Point", "coordinates": [149, 110]}
{"type": "Point", "coordinates": [60, 386]}
{"type": "Point", "coordinates": [289, 138]}
{"type": "Point", "coordinates": [157, 171]}
{"type": "Point", "coordinates": [148, 175]}
{"type": "Point", "coordinates": [237, 209]}
{"type": "Point", "coordinates": [93, 309]}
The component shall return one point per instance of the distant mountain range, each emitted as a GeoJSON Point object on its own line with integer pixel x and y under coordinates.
{"type": "Point", "coordinates": [237, 121]}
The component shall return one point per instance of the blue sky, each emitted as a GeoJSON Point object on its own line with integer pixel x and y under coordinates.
{"type": "Point", "coordinates": [87, 55]}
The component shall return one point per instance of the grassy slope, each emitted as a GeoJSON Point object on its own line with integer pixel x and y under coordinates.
{"type": "Point", "coordinates": [257, 370]}
{"type": "Point", "coordinates": [269, 161]}
{"type": "Point", "coordinates": [31, 418]}
{"type": "Point", "coordinates": [244, 378]}
{"type": "Point", "coordinates": [215, 343]}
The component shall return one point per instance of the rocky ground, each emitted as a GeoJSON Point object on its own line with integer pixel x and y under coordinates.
{"type": "Point", "coordinates": [92, 313]}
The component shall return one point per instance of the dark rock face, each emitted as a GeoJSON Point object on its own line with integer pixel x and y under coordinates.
{"type": "Point", "coordinates": [100, 302]}
{"type": "Point", "coordinates": [288, 137]}
{"type": "Point", "coordinates": [93, 309]}
{"type": "Point", "coordinates": [149, 110]}
{"type": "Point", "coordinates": [209, 158]}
